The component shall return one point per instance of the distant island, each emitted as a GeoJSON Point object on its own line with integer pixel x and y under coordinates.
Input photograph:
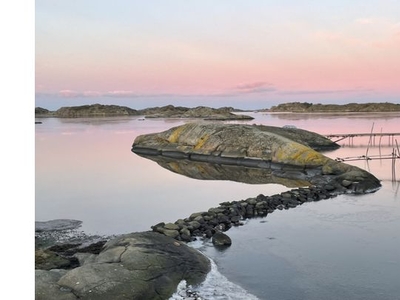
{"type": "Point", "coordinates": [169, 111]}
{"type": "Point", "coordinates": [208, 113]}
{"type": "Point", "coordinates": [305, 107]}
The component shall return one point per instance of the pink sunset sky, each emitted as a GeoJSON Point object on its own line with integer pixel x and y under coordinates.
{"type": "Point", "coordinates": [246, 54]}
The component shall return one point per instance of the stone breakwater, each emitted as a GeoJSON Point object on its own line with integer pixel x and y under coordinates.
{"type": "Point", "coordinates": [219, 219]}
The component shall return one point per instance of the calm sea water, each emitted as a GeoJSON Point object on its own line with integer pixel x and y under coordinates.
{"type": "Point", "coordinates": [342, 248]}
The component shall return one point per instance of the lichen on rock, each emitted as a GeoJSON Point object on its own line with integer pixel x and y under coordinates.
{"type": "Point", "coordinates": [287, 152]}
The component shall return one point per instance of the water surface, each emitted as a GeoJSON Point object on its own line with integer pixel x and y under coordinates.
{"type": "Point", "coordinates": [342, 248]}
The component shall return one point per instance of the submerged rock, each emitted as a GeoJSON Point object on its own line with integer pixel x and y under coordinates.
{"type": "Point", "coordinates": [220, 239]}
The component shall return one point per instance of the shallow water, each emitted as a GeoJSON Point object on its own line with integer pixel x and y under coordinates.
{"type": "Point", "coordinates": [341, 248]}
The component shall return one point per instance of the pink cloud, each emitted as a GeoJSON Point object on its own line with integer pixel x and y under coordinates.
{"type": "Point", "coordinates": [365, 21]}
{"type": "Point", "coordinates": [246, 86]}
{"type": "Point", "coordinates": [339, 38]}
{"type": "Point", "coordinates": [254, 87]}
{"type": "Point", "coordinates": [68, 93]}
{"type": "Point", "coordinates": [91, 94]}
{"type": "Point", "coordinates": [120, 93]}
{"type": "Point", "coordinates": [391, 42]}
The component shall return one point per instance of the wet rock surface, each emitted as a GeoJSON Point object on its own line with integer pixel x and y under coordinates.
{"type": "Point", "coordinates": [220, 239]}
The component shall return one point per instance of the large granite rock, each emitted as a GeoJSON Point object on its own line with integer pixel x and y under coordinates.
{"type": "Point", "coordinates": [143, 265]}
{"type": "Point", "coordinates": [283, 150]}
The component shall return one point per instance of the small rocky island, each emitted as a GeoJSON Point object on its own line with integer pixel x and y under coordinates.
{"type": "Point", "coordinates": [169, 111]}
{"type": "Point", "coordinates": [289, 151]}
{"type": "Point", "coordinates": [305, 107]}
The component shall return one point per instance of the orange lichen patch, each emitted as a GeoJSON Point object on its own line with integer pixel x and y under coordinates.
{"type": "Point", "coordinates": [201, 169]}
{"type": "Point", "coordinates": [160, 140]}
{"type": "Point", "coordinates": [334, 167]}
{"type": "Point", "coordinates": [201, 142]}
{"type": "Point", "coordinates": [311, 157]}
{"type": "Point", "coordinates": [174, 137]}
{"type": "Point", "coordinates": [175, 167]}
{"type": "Point", "coordinates": [297, 154]}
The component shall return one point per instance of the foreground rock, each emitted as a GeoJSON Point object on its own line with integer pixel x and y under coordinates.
{"type": "Point", "coordinates": [144, 265]}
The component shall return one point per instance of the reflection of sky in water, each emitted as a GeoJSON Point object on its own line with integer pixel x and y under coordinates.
{"type": "Point", "coordinates": [342, 248]}
{"type": "Point", "coordinates": [86, 171]}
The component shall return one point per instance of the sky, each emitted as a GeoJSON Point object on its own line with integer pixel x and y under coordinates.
{"type": "Point", "coordinates": [245, 54]}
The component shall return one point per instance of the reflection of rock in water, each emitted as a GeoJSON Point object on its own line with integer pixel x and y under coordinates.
{"type": "Point", "coordinates": [209, 171]}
